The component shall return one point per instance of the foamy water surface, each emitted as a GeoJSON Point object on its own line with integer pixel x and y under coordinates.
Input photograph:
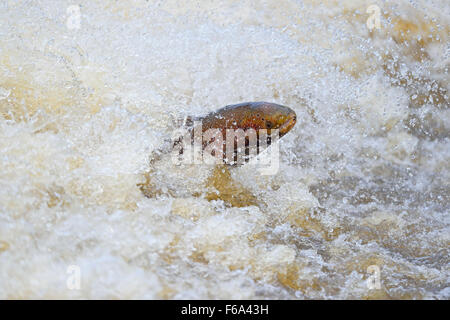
{"type": "Point", "coordinates": [359, 208]}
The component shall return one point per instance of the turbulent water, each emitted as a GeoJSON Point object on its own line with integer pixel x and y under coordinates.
{"type": "Point", "coordinates": [359, 208]}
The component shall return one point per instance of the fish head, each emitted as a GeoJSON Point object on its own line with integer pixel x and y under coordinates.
{"type": "Point", "coordinates": [272, 116]}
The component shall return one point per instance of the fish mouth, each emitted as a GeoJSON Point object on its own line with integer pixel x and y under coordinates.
{"type": "Point", "coordinates": [288, 125]}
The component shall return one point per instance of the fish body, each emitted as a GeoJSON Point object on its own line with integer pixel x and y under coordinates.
{"type": "Point", "coordinates": [240, 117]}
{"type": "Point", "coordinates": [256, 116]}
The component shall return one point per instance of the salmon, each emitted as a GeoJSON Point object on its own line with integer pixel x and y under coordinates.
{"type": "Point", "coordinates": [262, 119]}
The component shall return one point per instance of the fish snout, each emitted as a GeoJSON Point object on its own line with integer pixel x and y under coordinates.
{"type": "Point", "coordinates": [289, 123]}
